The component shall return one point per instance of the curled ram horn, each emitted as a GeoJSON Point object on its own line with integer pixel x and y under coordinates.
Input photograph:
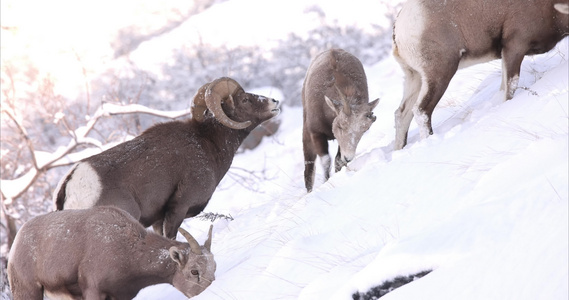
{"type": "Point", "coordinates": [210, 97]}
{"type": "Point", "coordinates": [198, 105]}
{"type": "Point", "coordinates": [220, 89]}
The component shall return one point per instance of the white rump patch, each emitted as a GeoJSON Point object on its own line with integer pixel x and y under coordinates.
{"type": "Point", "coordinates": [84, 188]}
{"type": "Point", "coordinates": [408, 30]}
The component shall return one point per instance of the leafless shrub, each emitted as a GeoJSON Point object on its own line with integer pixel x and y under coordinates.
{"type": "Point", "coordinates": [212, 217]}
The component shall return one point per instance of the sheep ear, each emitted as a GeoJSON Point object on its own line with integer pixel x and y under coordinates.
{"type": "Point", "coordinates": [177, 255]}
{"type": "Point", "coordinates": [334, 104]}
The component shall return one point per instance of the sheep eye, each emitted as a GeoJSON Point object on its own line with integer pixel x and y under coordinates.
{"type": "Point", "coordinates": [195, 272]}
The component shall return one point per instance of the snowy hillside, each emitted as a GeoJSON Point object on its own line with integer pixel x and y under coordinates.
{"type": "Point", "coordinates": [483, 202]}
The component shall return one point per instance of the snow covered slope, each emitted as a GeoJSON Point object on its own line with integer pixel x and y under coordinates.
{"type": "Point", "coordinates": [483, 202]}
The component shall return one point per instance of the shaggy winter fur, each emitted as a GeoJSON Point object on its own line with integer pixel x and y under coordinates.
{"type": "Point", "coordinates": [102, 253]}
{"type": "Point", "coordinates": [335, 106]}
{"type": "Point", "coordinates": [170, 171]}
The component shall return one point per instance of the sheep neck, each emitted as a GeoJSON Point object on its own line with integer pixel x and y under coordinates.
{"type": "Point", "coordinates": [152, 260]}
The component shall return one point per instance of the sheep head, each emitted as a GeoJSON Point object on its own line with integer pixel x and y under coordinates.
{"type": "Point", "coordinates": [353, 118]}
{"type": "Point", "coordinates": [196, 266]}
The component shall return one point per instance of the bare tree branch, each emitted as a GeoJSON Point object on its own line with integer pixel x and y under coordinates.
{"type": "Point", "coordinates": [115, 109]}
{"type": "Point", "coordinates": [24, 135]}
{"type": "Point", "coordinates": [13, 189]}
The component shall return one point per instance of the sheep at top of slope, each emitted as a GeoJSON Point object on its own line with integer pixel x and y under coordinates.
{"type": "Point", "coordinates": [102, 253]}
{"type": "Point", "coordinates": [170, 171]}
{"type": "Point", "coordinates": [433, 39]}
{"type": "Point", "coordinates": [335, 106]}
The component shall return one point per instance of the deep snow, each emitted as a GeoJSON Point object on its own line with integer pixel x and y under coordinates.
{"type": "Point", "coordinates": [483, 202]}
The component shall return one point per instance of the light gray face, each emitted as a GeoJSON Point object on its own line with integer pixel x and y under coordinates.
{"type": "Point", "coordinates": [196, 275]}
{"type": "Point", "coordinates": [350, 124]}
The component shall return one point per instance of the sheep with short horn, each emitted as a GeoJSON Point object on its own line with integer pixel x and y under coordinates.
{"type": "Point", "coordinates": [432, 39]}
{"type": "Point", "coordinates": [171, 170]}
{"type": "Point", "coordinates": [335, 106]}
{"type": "Point", "coordinates": [102, 253]}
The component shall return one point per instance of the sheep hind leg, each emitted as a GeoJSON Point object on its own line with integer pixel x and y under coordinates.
{"type": "Point", "coordinates": [27, 293]}
{"type": "Point", "coordinates": [404, 114]}
{"type": "Point", "coordinates": [511, 64]}
{"type": "Point", "coordinates": [309, 161]}
{"type": "Point", "coordinates": [93, 294]}
{"type": "Point", "coordinates": [432, 90]}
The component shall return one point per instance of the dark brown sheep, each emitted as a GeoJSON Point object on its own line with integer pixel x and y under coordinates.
{"type": "Point", "coordinates": [170, 171]}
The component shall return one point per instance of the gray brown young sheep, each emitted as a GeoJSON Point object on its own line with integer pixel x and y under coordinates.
{"type": "Point", "coordinates": [335, 106]}
{"type": "Point", "coordinates": [102, 253]}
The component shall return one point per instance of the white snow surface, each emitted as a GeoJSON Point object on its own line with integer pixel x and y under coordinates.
{"type": "Point", "coordinates": [483, 202]}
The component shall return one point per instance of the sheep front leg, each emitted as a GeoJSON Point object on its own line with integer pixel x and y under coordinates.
{"type": "Point", "coordinates": [172, 221]}
{"type": "Point", "coordinates": [309, 160]}
{"type": "Point", "coordinates": [173, 218]}
{"type": "Point", "coordinates": [183, 204]}
{"type": "Point", "coordinates": [338, 161]}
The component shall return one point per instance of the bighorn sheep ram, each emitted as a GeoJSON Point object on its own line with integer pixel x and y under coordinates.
{"type": "Point", "coordinates": [432, 39]}
{"type": "Point", "coordinates": [102, 253]}
{"type": "Point", "coordinates": [335, 106]}
{"type": "Point", "coordinates": [170, 171]}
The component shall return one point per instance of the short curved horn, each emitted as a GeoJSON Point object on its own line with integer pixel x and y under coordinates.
{"type": "Point", "coordinates": [198, 105]}
{"type": "Point", "coordinates": [218, 90]}
{"type": "Point", "coordinates": [207, 244]}
{"type": "Point", "coordinates": [196, 248]}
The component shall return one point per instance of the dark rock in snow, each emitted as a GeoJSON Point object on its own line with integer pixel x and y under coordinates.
{"type": "Point", "coordinates": [388, 286]}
